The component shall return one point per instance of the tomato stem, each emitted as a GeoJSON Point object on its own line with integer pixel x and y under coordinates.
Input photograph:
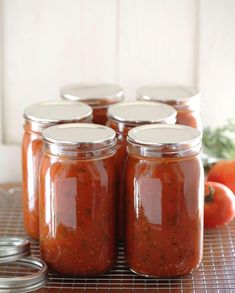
{"type": "Point", "coordinates": [209, 197]}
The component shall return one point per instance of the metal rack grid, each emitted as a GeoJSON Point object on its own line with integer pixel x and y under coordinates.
{"type": "Point", "coordinates": [216, 273]}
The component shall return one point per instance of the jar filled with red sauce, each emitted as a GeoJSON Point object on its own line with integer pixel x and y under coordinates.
{"type": "Point", "coordinates": [124, 116]}
{"type": "Point", "coordinates": [185, 100]}
{"type": "Point", "coordinates": [98, 95]}
{"type": "Point", "coordinates": [164, 200]}
{"type": "Point", "coordinates": [78, 199]}
{"type": "Point", "coordinates": [37, 118]}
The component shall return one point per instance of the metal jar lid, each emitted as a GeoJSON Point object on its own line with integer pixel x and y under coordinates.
{"type": "Point", "coordinates": [137, 113]}
{"type": "Point", "coordinates": [52, 112]}
{"type": "Point", "coordinates": [12, 249]}
{"type": "Point", "coordinates": [165, 137]}
{"type": "Point", "coordinates": [94, 94]}
{"type": "Point", "coordinates": [176, 95]}
{"type": "Point", "coordinates": [82, 135]}
{"type": "Point", "coordinates": [27, 283]}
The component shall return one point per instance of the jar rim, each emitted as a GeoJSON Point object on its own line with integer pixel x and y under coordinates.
{"type": "Point", "coordinates": [93, 94]}
{"type": "Point", "coordinates": [176, 95]}
{"type": "Point", "coordinates": [142, 112]}
{"type": "Point", "coordinates": [79, 134]}
{"type": "Point", "coordinates": [165, 135]}
{"type": "Point", "coordinates": [51, 112]}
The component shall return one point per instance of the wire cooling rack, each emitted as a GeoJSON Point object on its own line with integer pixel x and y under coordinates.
{"type": "Point", "coordinates": [216, 273]}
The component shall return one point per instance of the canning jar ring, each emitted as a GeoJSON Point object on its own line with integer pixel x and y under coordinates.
{"type": "Point", "coordinates": [26, 283]}
{"type": "Point", "coordinates": [13, 249]}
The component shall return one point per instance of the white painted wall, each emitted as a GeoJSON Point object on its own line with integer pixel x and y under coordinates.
{"type": "Point", "coordinates": [49, 43]}
{"type": "Point", "coordinates": [216, 66]}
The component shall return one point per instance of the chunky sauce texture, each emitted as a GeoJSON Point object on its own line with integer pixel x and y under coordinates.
{"type": "Point", "coordinates": [78, 214]}
{"type": "Point", "coordinates": [164, 215]}
{"type": "Point", "coordinates": [31, 159]}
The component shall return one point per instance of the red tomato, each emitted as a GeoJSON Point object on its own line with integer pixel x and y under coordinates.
{"type": "Point", "coordinates": [219, 206]}
{"type": "Point", "coordinates": [223, 172]}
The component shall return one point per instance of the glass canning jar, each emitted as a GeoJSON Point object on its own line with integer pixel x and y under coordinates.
{"type": "Point", "coordinates": [37, 118]}
{"type": "Point", "coordinates": [124, 116]}
{"type": "Point", "coordinates": [164, 183]}
{"type": "Point", "coordinates": [78, 199]}
{"type": "Point", "coordinates": [98, 95]}
{"type": "Point", "coordinates": [185, 100]}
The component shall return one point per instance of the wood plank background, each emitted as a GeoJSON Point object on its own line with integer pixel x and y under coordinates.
{"type": "Point", "coordinates": [49, 43]}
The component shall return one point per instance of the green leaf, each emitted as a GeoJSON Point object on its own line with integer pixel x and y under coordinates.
{"type": "Point", "coordinates": [220, 142]}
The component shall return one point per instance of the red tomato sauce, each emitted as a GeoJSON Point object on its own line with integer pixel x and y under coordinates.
{"type": "Point", "coordinates": [189, 118]}
{"type": "Point", "coordinates": [164, 210]}
{"type": "Point", "coordinates": [32, 144]}
{"type": "Point", "coordinates": [31, 158]}
{"type": "Point", "coordinates": [121, 155]}
{"type": "Point", "coordinates": [77, 214]}
{"type": "Point", "coordinates": [99, 115]}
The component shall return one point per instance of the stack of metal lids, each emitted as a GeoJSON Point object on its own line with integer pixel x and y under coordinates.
{"type": "Point", "coordinates": [17, 250]}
